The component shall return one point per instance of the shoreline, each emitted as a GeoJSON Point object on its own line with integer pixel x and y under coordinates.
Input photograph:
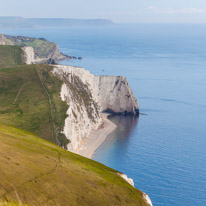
{"type": "Point", "coordinates": [97, 136]}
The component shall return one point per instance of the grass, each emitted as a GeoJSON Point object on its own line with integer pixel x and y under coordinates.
{"type": "Point", "coordinates": [10, 56]}
{"type": "Point", "coordinates": [30, 100]}
{"type": "Point", "coordinates": [36, 172]}
{"type": "Point", "coordinates": [4, 203]}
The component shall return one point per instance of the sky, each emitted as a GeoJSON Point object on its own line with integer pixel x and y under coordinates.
{"type": "Point", "coordinates": [120, 11]}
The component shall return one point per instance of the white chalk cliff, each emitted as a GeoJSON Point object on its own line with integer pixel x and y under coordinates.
{"type": "Point", "coordinates": [115, 95]}
{"type": "Point", "coordinates": [29, 56]}
{"type": "Point", "coordinates": [87, 96]}
{"type": "Point", "coordinates": [147, 199]}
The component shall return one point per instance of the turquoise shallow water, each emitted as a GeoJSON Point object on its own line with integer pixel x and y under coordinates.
{"type": "Point", "coordinates": [164, 150]}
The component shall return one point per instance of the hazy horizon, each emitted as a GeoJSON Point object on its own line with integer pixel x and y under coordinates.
{"type": "Point", "coordinates": [115, 22]}
{"type": "Point", "coordinates": [132, 11]}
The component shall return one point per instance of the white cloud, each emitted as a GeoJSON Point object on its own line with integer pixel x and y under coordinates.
{"type": "Point", "coordinates": [177, 11]}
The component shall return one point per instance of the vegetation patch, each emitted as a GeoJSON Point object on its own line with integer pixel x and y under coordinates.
{"type": "Point", "coordinates": [11, 56]}
{"type": "Point", "coordinates": [49, 175]}
{"type": "Point", "coordinates": [30, 100]}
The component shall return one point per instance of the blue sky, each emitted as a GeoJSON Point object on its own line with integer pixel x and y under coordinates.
{"type": "Point", "coordinates": [133, 11]}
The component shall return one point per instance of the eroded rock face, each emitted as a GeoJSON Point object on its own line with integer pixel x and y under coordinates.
{"type": "Point", "coordinates": [28, 55]}
{"type": "Point", "coordinates": [87, 96]}
{"type": "Point", "coordinates": [115, 95]}
{"type": "Point", "coordinates": [84, 111]}
{"type": "Point", "coordinates": [131, 182]}
{"type": "Point", "coordinates": [147, 199]}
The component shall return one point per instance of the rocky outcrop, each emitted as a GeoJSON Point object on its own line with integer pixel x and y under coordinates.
{"type": "Point", "coordinates": [147, 199]}
{"type": "Point", "coordinates": [128, 180]}
{"type": "Point", "coordinates": [87, 96]}
{"type": "Point", "coordinates": [131, 182]}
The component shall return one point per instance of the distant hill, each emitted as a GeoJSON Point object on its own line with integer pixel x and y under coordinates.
{"type": "Point", "coordinates": [20, 22]}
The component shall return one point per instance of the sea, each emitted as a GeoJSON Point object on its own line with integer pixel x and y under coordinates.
{"type": "Point", "coordinates": [164, 149]}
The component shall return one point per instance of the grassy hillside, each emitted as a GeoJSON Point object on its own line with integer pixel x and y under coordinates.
{"type": "Point", "coordinates": [30, 100]}
{"type": "Point", "coordinates": [10, 56]}
{"type": "Point", "coordinates": [36, 172]}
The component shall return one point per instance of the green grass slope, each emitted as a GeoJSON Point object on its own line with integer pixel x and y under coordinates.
{"type": "Point", "coordinates": [36, 172]}
{"type": "Point", "coordinates": [30, 100]}
{"type": "Point", "coordinates": [11, 56]}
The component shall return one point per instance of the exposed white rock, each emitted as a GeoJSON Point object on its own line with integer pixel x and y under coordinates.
{"type": "Point", "coordinates": [147, 199]}
{"type": "Point", "coordinates": [84, 111]}
{"type": "Point", "coordinates": [115, 95]}
{"type": "Point", "coordinates": [28, 54]}
{"type": "Point", "coordinates": [87, 96]}
{"type": "Point", "coordinates": [128, 180]}
{"type": "Point", "coordinates": [131, 182]}
{"type": "Point", "coordinates": [78, 124]}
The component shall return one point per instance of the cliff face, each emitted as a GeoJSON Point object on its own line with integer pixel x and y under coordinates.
{"type": "Point", "coordinates": [115, 95]}
{"type": "Point", "coordinates": [87, 96]}
{"type": "Point", "coordinates": [29, 56]}
{"type": "Point", "coordinates": [84, 110]}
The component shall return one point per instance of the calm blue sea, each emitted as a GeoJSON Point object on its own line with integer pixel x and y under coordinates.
{"type": "Point", "coordinates": [164, 151]}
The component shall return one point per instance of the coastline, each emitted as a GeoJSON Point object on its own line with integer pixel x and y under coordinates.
{"type": "Point", "coordinates": [90, 144]}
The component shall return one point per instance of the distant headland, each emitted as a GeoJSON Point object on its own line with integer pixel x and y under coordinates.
{"type": "Point", "coordinates": [21, 22]}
